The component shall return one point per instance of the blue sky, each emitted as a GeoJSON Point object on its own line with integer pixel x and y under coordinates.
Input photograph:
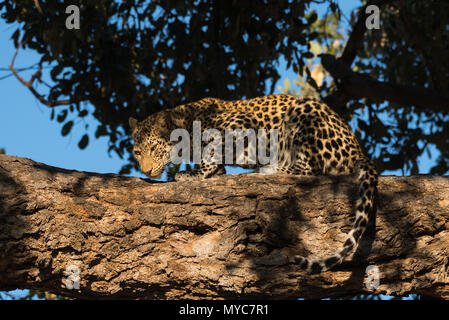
{"type": "Point", "coordinates": [26, 129]}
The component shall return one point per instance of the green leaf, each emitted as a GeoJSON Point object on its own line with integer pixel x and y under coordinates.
{"type": "Point", "coordinates": [313, 17]}
{"type": "Point", "coordinates": [312, 82]}
{"type": "Point", "coordinates": [315, 48]}
{"type": "Point", "coordinates": [66, 128]}
{"type": "Point", "coordinates": [61, 117]}
{"type": "Point", "coordinates": [126, 169]}
{"type": "Point", "coordinates": [101, 131]}
{"type": "Point", "coordinates": [308, 55]}
{"type": "Point", "coordinates": [56, 71]}
{"type": "Point", "coordinates": [286, 84]}
{"type": "Point", "coordinates": [83, 142]}
{"type": "Point", "coordinates": [334, 7]}
{"type": "Point", "coordinates": [15, 36]}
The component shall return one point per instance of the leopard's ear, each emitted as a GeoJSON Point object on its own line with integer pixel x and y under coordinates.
{"type": "Point", "coordinates": [132, 123]}
{"type": "Point", "coordinates": [163, 118]}
{"type": "Point", "coordinates": [162, 121]}
{"type": "Point", "coordinates": [172, 119]}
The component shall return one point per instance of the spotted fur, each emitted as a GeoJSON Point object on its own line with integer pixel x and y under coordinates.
{"type": "Point", "coordinates": [313, 140]}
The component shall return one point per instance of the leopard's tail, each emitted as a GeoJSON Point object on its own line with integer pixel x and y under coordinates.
{"type": "Point", "coordinates": [367, 179]}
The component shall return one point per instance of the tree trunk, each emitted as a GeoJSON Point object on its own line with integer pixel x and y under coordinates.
{"type": "Point", "coordinates": [84, 235]}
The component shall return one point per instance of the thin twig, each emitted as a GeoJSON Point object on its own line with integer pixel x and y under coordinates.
{"type": "Point", "coordinates": [29, 84]}
{"type": "Point", "coordinates": [36, 3]}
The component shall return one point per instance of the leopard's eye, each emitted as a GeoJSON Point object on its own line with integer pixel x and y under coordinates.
{"type": "Point", "coordinates": [137, 153]}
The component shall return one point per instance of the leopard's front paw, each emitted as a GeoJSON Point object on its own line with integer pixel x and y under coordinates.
{"type": "Point", "coordinates": [185, 176]}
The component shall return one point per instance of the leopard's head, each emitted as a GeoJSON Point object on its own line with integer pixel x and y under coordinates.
{"type": "Point", "coordinates": [152, 143]}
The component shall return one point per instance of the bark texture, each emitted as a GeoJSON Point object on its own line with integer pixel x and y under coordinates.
{"type": "Point", "coordinates": [229, 237]}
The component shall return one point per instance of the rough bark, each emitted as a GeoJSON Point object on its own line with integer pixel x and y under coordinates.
{"type": "Point", "coordinates": [229, 237]}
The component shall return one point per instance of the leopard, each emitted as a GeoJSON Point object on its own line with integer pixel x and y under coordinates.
{"type": "Point", "coordinates": [312, 140]}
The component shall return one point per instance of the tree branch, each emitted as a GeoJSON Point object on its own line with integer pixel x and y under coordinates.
{"type": "Point", "coordinates": [38, 7]}
{"type": "Point", "coordinates": [29, 84]}
{"type": "Point", "coordinates": [358, 31]}
{"type": "Point", "coordinates": [230, 237]}
{"type": "Point", "coordinates": [353, 85]}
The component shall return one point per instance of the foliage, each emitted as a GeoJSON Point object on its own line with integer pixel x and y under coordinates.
{"type": "Point", "coordinates": [316, 80]}
{"type": "Point", "coordinates": [411, 48]}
